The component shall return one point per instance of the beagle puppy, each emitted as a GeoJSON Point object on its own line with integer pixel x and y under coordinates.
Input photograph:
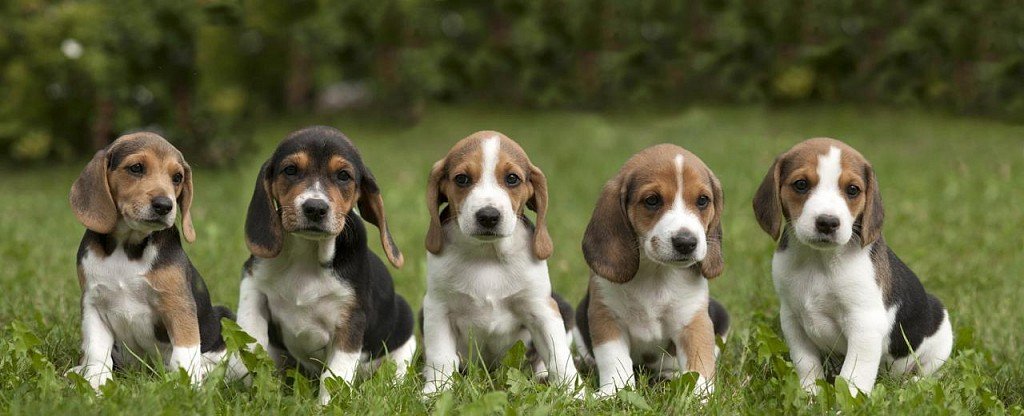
{"type": "Point", "coordinates": [487, 273]}
{"type": "Point", "coordinates": [842, 291]}
{"type": "Point", "coordinates": [653, 242]}
{"type": "Point", "coordinates": [312, 292]}
{"type": "Point", "coordinates": [141, 296]}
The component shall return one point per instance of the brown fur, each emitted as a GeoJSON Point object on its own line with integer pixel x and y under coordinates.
{"type": "Point", "coordinates": [698, 341]}
{"type": "Point", "coordinates": [175, 305]}
{"type": "Point", "coordinates": [103, 194]}
{"type": "Point", "coordinates": [466, 157]}
{"type": "Point", "coordinates": [776, 202]}
{"type": "Point", "coordinates": [348, 337]}
{"type": "Point", "coordinates": [611, 244]}
{"type": "Point", "coordinates": [603, 325]}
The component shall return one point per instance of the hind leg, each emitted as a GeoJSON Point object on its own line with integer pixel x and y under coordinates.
{"type": "Point", "coordinates": [403, 357]}
{"type": "Point", "coordinates": [936, 348]}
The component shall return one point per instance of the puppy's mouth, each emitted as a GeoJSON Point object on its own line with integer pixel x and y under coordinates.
{"type": "Point", "coordinates": [314, 232]}
{"type": "Point", "coordinates": [487, 235]}
{"type": "Point", "coordinates": [821, 241]}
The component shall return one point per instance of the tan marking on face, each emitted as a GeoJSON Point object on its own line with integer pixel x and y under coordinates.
{"type": "Point", "coordinates": [603, 325]}
{"type": "Point", "coordinates": [343, 196]}
{"type": "Point", "coordinates": [801, 162]}
{"type": "Point", "coordinates": [175, 305]}
{"type": "Point", "coordinates": [653, 172]}
{"type": "Point", "coordinates": [133, 193]}
{"type": "Point", "coordinates": [698, 342]}
{"type": "Point", "coordinates": [346, 337]}
{"type": "Point", "coordinates": [465, 158]}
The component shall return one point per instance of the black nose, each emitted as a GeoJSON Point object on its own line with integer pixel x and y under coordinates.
{"type": "Point", "coordinates": [162, 205]}
{"type": "Point", "coordinates": [315, 209]}
{"type": "Point", "coordinates": [488, 217]}
{"type": "Point", "coordinates": [684, 242]}
{"type": "Point", "coordinates": [826, 224]}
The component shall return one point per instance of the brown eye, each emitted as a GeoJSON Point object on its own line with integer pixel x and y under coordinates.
{"type": "Point", "coordinates": [177, 178]}
{"type": "Point", "coordinates": [652, 201]}
{"type": "Point", "coordinates": [344, 176]}
{"type": "Point", "coordinates": [852, 191]}
{"type": "Point", "coordinates": [137, 169]}
{"type": "Point", "coordinates": [703, 201]}
{"type": "Point", "coordinates": [801, 186]}
{"type": "Point", "coordinates": [512, 180]}
{"type": "Point", "coordinates": [291, 170]}
{"type": "Point", "coordinates": [462, 179]}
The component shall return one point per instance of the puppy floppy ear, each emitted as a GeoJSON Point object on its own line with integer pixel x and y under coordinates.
{"type": "Point", "coordinates": [712, 265]}
{"type": "Point", "coordinates": [185, 203]}
{"type": "Point", "coordinates": [435, 198]}
{"type": "Point", "coordinates": [538, 202]}
{"type": "Point", "coordinates": [767, 203]}
{"type": "Point", "coordinates": [371, 208]}
{"type": "Point", "coordinates": [874, 215]}
{"type": "Point", "coordinates": [263, 230]}
{"type": "Point", "coordinates": [91, 199]}
{"type": "Point", "coordinates": [610, 245]}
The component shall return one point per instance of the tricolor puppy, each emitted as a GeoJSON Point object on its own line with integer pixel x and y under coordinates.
{"type": "Point", "coordinates": [312, 292]}
{"type": "Point", "coordinates": [654, 240]}
{"type": "Point", "coordinates": [141, 297]}
{"type": "Point", "coordinates": [843, 292]}
{"type": "Point", "coordinates": [487, 274]}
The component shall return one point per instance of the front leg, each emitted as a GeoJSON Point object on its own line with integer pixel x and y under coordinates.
{"type": "Point", "coordinates": [547, 330]}
{"type": "Point", "coordinates": [177, 309]}
{"type": "Point", "coordinates": [253, 318]}
{"type": "Point", "coordinates": [864, 332]}
{"type": "Point", "coordinates": [97, 345]}
{"type": "Point", "coordinates": [695, 350]}
{"type": "Point", "coordinates": [440, 347]}
{"type": "Point", "coordinates": [346, 353]}
{"type": "Point", "coordinates": [802, 351]}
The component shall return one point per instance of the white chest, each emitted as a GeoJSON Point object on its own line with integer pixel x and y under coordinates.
{"type": "Point", "coordinates": [308, 303]}
{"type": "Point", "coordinates": [824, 293]}
{"type": "Point", "coordinates": [118, 289]}
{"type": "Point", "coordinates": [655, 306]}
{"type": "Point", "coordinates": [484, 287]}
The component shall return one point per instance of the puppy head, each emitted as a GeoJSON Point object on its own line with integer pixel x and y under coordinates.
{"type": "Point", "coordinates": [140, 179]}
{"type": "Point", "coordinates": [307, 189]}
{"type": "Point", "coordinates": [826, 190]}
{"type": "Point", "coordinates": [665, 205]}
{"type": "Point", "coordinates": [487, 180]}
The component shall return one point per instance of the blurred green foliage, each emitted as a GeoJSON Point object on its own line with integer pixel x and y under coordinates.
{"type": "Point", "coordinates": [75, 74]}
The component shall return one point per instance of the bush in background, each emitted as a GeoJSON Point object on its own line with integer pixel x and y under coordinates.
{"type": "Point", "coordinates": [75, 75]}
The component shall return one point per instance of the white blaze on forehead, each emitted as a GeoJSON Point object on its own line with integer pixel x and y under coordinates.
{"type": "Point", "coordinates": [829, 169]}
{"type": "Point", "coordinates": [490, 149]}
{"type": "Point", "coordinates": [678, 202]}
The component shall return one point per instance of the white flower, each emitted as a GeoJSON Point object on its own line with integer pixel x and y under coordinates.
{"type": "Point", "coordinates": [71, 48]}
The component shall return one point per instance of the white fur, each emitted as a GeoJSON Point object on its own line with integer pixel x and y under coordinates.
{"type": "Point", "coordinates": [657, 243]}
{"type": "Point", "coordinates": [119, 317]}
{"type": "Point", "coordinates": [826, 199]}
{"type": "Point", "coordinates": [482, 298]}
{"type": "Point", "coordinates": [830, 302]}
{"type": "Point", "coordinates": [657, 304]}
{"type": "Point", "coordinates": [309, 299]}
{"type": "Point", "coordinates": [488, 192]}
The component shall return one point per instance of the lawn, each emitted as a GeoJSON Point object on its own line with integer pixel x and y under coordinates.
{"type": "Point", "coordinates": [953, 191]}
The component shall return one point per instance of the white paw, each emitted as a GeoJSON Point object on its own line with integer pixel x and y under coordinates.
{"type": "Point", "coordinates": [325, 397]}
{"type": "Point", "coordinates": [96, 374]}
{"type": "Point", "coordinates": [191, 360]}
{"type": "Point", "coordinates": [811, 388]}
{"type": "Point", "coordinates": [605, 392]}
{"type": "Point", "coordinates": [703, 389]}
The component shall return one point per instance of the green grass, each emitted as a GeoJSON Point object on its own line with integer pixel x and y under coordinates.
{"type": "Point", "coordinates": [953, 189]}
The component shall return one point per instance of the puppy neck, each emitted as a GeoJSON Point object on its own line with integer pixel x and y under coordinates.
{"type": "Point", "coordinates": [800, 251]}
{"type": "Point", "coordinates": [128, 235]}
{"type": "Point", "coordinates": [498, 248]}
{"type": "Point", "coordinates": [652, 271]}
{"type": "Point", "coordinates": [297, 248]}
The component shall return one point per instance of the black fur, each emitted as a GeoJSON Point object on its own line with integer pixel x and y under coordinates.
{"type": "Point", "coordinates": [919, 315]}
{"type": "Point", "coordinates": [383, 320]}
{"type": "Point", "coordinates": [169, 254]}
{"type": "Point", "coordinates": [719, 318]}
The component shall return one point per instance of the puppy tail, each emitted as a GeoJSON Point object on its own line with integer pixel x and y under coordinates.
{"type": "Point", "coordinates": [223, 312]}
{"type": "Point", "coordinates": [719, 318]}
